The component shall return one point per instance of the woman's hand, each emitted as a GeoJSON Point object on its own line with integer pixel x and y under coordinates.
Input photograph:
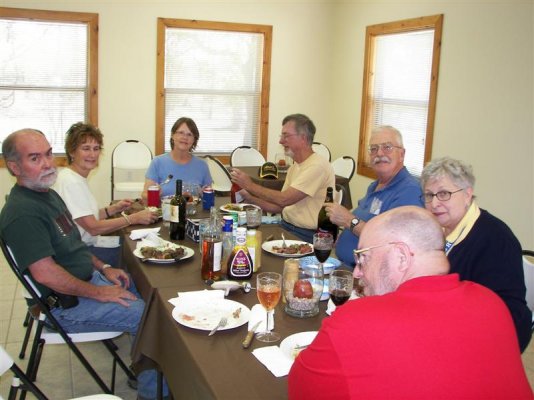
{"type": "Point", "coordinates": [144, 217]}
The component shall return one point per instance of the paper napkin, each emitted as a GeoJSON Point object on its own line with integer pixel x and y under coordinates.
{"type": "Point", "coordinates": [137, 234]}
{"type": "Point", "coordinates": [274, 359]}
{"type": "Point", "coordinates": [258, 313]}
{"type": "Point", "coordinates": [197, 295]}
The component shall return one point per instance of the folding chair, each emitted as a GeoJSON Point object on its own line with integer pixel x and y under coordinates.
{"type": "Point", "coordinates": [246, 156]}
{"type": "Point", "coordinates": [129, 161]}
{"type": "Point", "coordinates": [219, 174]}
{"type": "Point", "coordinates": [41, 312]}
{"type": "Point", "coordinates": [344, 166]}
{"type": "Point", "coordinates": [322, 150]}
{"type": "Point", "coordinates": [22, 382]}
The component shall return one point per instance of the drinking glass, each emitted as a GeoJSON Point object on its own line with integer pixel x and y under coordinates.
{"type": "Point", "coordinates": [253, 217]}
{"type": "Point", "coordinates": [269, 288]}
{"type": "Point", "coordinates": [322, 246]}
{"type": "Point", "coordinates": [340, 286]}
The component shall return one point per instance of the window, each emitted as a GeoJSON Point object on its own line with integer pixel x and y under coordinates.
{"type": "Point", "coordinates": [48, 71]}
{"type": "Point", "coordinates": [218, 74]}
{"type": "Point", "coordinates": [400, 86]}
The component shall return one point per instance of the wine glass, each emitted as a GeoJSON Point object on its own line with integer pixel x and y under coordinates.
{"type": "Point", "coordinates": [340, 286]}
{"type": "Point", "coordinates": [322, 245]}
{"type": "Point", "coordinates": [269, 288]}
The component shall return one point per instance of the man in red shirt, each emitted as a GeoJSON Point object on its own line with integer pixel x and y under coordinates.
{"type": "Point", "coordinates": [419, 333]}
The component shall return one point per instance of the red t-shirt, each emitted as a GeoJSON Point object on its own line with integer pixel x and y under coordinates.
{"type": "Point", "coordinates": [433, 338]}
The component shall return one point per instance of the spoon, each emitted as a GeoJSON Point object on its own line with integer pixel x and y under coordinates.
{"type": "Point", "coordinates": [166, 180]}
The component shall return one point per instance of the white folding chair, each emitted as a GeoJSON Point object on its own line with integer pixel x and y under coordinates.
{"type": "Point", "coordinates": [246, 156]}
{"type": "Point", "coordinates": [338, 193]}
{"type": "Point", "coordinates": [322, 150]}
{"type": "Point", "coordinates": [528, 271]}
{"type": "Point", "coordinates": [22, 382]}
{"type": "Point", "coordinates": [43, 335]}
{"type": "Point", "coordinates": [344, 166]}
{"type": "Point", "coordinates": [129, 161]}
{"type": "Point", "coordinates": [219, 175]}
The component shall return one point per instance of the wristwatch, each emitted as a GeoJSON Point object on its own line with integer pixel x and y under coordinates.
{"type": "Point", "coordinates": [104, 267]}
{"type": "Point", "coordinates": [353, 223]}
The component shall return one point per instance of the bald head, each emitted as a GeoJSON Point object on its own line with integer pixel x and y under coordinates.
{"type": "Point", "coordinates": [401, 244]}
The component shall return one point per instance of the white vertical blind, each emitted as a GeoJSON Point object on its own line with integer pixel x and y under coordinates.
{"type": "Point", "coordinates": [214, 77]}
{"type": "Point", "coordinates": [402, 77]}
{"type": "Point", "coordinates": [43, 77]}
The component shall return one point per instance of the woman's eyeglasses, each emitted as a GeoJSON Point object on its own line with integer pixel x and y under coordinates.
{"type": "Point", "coordinates": [442, 195]}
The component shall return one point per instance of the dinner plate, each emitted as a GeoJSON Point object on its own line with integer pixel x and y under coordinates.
{"type": "Point", "coordinates": [235, 207]}
{"type": "Point", "coordinates": [205, 315]}
{"type": "Point", "coordinates": [290, 343]}
{"type": "Point", "coordinates": [187, 254]}
{"type": "Point", "coordinates": [328, 266]}
{"type": "Point", "coordinates": [268, 247]}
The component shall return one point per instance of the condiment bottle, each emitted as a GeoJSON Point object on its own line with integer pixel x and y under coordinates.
{"type": "Point", "coordinates": [211, 253]}
{"type": "Point", "coordinates": [240, 264]}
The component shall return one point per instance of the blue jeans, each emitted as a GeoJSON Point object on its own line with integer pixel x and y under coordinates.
{"type": "Point", "coordinates": [301, 233]}
{"type": "Point", "coordinates": [93, 316]}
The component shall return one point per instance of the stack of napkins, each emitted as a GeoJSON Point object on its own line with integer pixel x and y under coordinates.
{"type": "Point", "coordinates": [197, 295]}
{"type": "Point", "coordinates": [274, 359]}
{"type": "Point", "coordinates": [137, 234]}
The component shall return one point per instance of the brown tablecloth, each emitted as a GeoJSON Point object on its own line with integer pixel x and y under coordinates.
{"type": "Point", "coordinates": [197, 366]}
{"type": "Point", "coordinates": [277, 184]}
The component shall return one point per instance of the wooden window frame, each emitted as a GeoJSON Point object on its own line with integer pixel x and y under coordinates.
{"type": "Point", "coordinates": [434, 22]}
{"type": "Point", "coordinates": [91, 20]}
{"type": "Point", "coordinates": [265, 30]}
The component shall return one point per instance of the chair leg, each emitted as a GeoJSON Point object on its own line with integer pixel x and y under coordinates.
{"type": "Point", "coordinates": [28, 323]}
{"type": "Point", "coordinates": [33, 363]}
{"type": "Point", "coordinates": [27, 385]}
{"type": "Point", "coordinates": [112, 348]}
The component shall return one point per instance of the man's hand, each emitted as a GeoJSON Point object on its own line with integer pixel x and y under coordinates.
{"type": "Point", "coordinates": [241, 178]}
{"type": "Point", "coordinates": [115, 293]}
{"type": "Point", "coordinates": [338, 214]}
{"type": "Point", "coordinates": [117, 276]}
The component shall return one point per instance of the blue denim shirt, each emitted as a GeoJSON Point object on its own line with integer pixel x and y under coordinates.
{"type": "Point", "coordinates": [403, 190]}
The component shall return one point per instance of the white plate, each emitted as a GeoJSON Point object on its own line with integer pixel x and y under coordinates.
{"type": "Point", "coordinates": [328, 266]}
{"type": "Point", "coordinates": [298, 339]}
{"type": "Point", "coordinates": [226, 207]}
{"type": "Point", "coordinates": [205, 315]}
{"type": "Point", "coordinates": [187, 254]}
{"type": "Point", "coordinates": [268, 247]}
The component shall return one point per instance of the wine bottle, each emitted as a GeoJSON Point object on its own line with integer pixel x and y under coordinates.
{"type": "Point", "coordinates": [323, 221]}
{"type": "Point", "coordinates": [234, 196]}
{"type": "Point", "coordinates": [177, 219]}
{"type": "Point", "coordinates": [240, 264]}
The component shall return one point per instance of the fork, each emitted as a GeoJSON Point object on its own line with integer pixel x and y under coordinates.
{"type": "Point", "coordinates": [284, 245]}
{"type": "Point", "coordinates": [222, 323]}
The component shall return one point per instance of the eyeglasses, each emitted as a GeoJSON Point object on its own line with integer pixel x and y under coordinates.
{"type": "Point", "coordinates": [188, 135]}
{"type": "Point", "coordinates": [284, 136]}
{"type": "Point", "coordinates": [359, 256]}
{"type": "Point", "coordinates": [386, 148]}
{"type": "Point", "coordinates": [442, 195]}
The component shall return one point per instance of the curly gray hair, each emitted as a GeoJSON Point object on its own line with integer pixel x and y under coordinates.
{"type": "Point", "coordinates": [458, 171]}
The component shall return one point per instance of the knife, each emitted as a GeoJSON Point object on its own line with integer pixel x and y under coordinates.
{"type": "Point", "coordinates": [250, 335]}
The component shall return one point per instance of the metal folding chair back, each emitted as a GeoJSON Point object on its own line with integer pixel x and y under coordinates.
{"type": "Point", "coordinates": [219, 174]}
{"type": "Point", "coordinates": [129, 162]}
{"type": "Point", "coordinates": [344, 166]}
{"type": "Point", "coordinates": [246, 156]}
{"type": "Point", "coordinates": [322, 150]}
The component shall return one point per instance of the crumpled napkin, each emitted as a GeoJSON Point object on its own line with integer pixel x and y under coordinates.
{"type": "Point", "coordinates": [331, 307]}
{"type": "Point", "coordinates": [197, 295]}
{"type": "Point", "coordinates": [137, 234]}
{"type": "Point", "coordinates": [258, 313]}
{"type": "Point", "coordinates": [274, 359]}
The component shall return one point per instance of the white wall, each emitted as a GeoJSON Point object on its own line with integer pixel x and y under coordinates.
{"type": "Point", "coordinates": [485, 94]}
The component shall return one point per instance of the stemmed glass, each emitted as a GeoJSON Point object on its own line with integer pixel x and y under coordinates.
{"type": "Point", "coordinates": [340, 286]}
{"type": "Point", "coordinates": [269, 288]}
{"type": "Point", "coordinates": [322, 246]}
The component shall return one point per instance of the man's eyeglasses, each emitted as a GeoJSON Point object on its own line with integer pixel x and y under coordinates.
{"type": "Point", "coordinates": [359, 253]}
{"type": "Point", "coordinates": [442, 195]}
{"type": "Point", "coordinates": [387, 148]}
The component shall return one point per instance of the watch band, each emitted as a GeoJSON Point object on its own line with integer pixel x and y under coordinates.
{"type": "Point", "coordinates": [353, 223]}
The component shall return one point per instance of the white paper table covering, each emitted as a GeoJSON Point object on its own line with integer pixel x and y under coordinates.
{"type": "Point", "coordinates": [274, 359]}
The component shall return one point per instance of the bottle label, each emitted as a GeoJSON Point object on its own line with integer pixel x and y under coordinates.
{"type": "Point", "coordinates": [217, 253]}
{"type": "Point", "coordinates": [174, 214]}
{"type": "Point", "coordinates": [241, 265]}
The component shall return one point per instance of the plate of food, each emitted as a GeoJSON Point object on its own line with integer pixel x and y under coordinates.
{"type": "Point", "coordinates": [166, 253]}
{"type": "Point", "coordinates": [236, 207]}
{"type": "Point", "coordinates": [294, 248]}
{"type": "Point", "coordinates": [292, 345]}
{"type": "Point", "coordinates": [205, 315]}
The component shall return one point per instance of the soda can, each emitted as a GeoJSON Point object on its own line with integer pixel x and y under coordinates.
{"type": "Point", "coordinates": [208, 198]}
{"type": "Point", "coordinates": [153, 196]}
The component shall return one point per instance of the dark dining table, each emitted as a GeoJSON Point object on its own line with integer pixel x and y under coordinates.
{"type": "Point", "coordinates": [195, 365]}
{"type": "Point", "coordinates": [278, 183]}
